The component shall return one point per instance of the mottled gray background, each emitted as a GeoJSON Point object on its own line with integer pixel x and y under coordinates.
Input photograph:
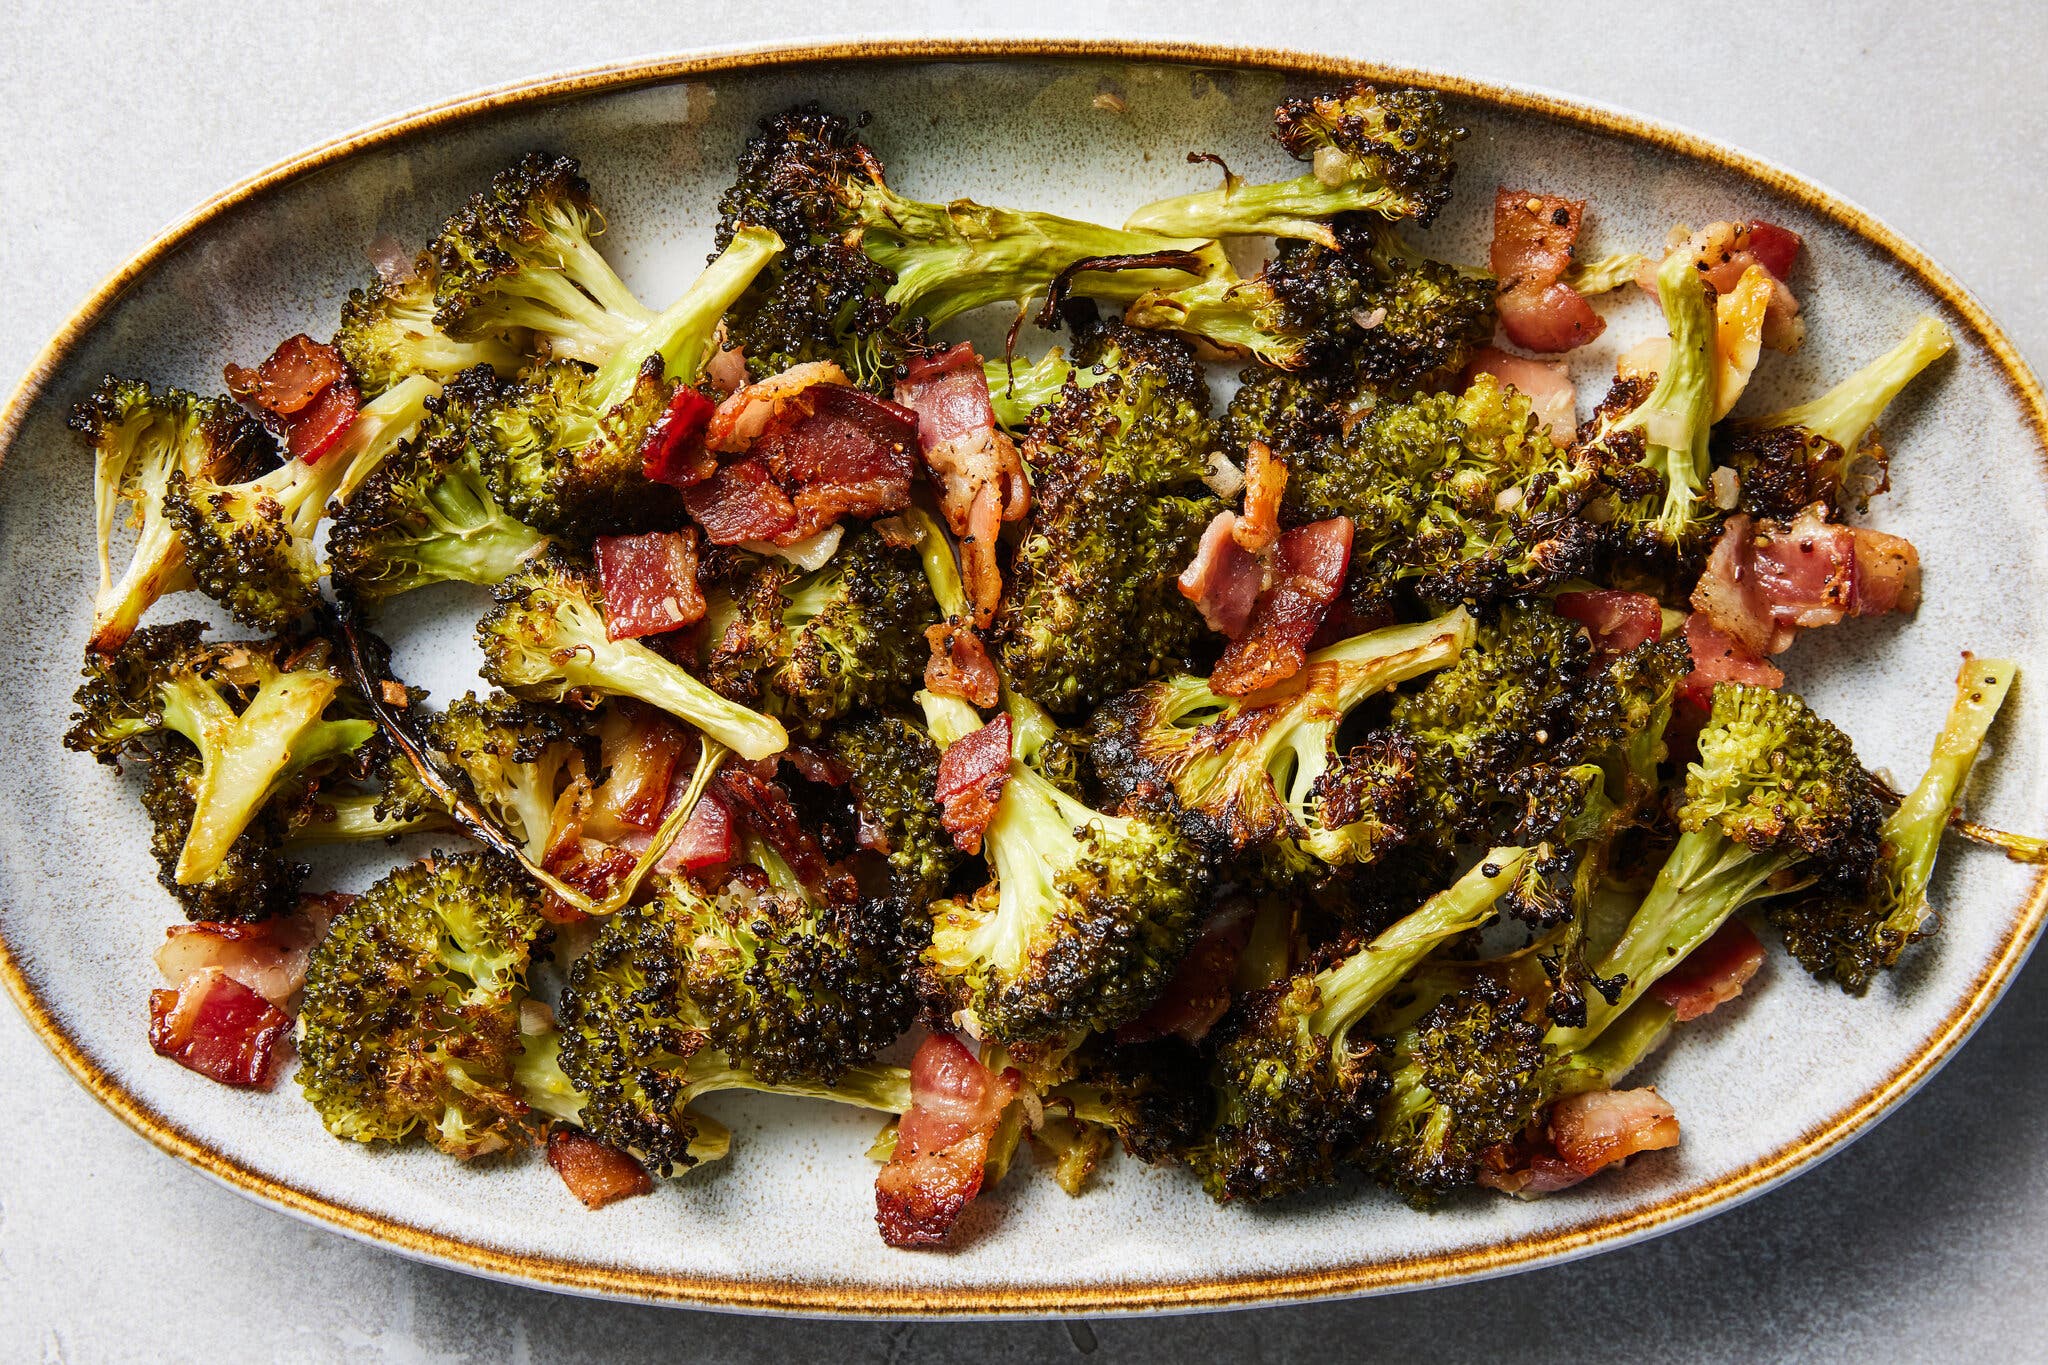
{"type": "Point", "coordinates": [1920, 1242]}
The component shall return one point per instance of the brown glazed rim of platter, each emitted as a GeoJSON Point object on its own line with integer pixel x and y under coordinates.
{"type": "Point", "coordinates": [832, 1297]}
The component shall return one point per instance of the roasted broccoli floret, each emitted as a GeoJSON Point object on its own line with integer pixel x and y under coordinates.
{"type": "Point", "coordinates": [641, 1050]}
{"type": "Point", "coordinates": [1116, 473]}
{"type": "Point", "coordinates": [410, 1021]}
{"type": "Point", "coordinates": [1852, 933]}
{"type": "Point", "coordinates": [514, 758]}
{"type": "Point", "coordinates": [255, 879]}
{"type": "Point", "coordinates": [1389, 153]}
{"type": "Point", "coordinates": [560, 448]}
{"type": "Point", "coordinates": [794, 981]}
{"type": "Point", "coordinates": [1808, 454]}
{"type": "Point", "coordinates": [845, 638]}
{"type": "Point", "coordinates": [388, 334]}
{"type": "Point", "coordinates": [872, 263]}
{"type": "Point", "coordinates": [1370, 310]}
{"type": "Point", "coordinates": [141, 439]}
{"type": "Point", "coordinates": [250, 546]}
{"type": "Point", "coordinates": [1665, 433]}
{"type": "Point", "coordinates": [1153, 1096]}
{"type": "Point", "coordinates": [1459, 497]}
{"type": "Point", "coordinates": [1268, 777]}
{"type": "Point", "coordinates": [1297, 1096]}
{"type": "Point", "coordinates": [1087, 915]}
{"type": "Point", "coordinates": [262, 716]}
{"type": "Point", "coordinates": [426, 516]}
{"type": "Point", "coordinates": [546, 639]}
{"type": "Point", "coordinates": [519, 260]}
{"type": "Point", "coordinates": [1291, 412]}
{"type": "Point", "coordinates": [892, 770]}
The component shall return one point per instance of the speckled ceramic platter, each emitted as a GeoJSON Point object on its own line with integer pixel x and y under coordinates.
{"type": "Point", "coordinates": [1763, 1088]}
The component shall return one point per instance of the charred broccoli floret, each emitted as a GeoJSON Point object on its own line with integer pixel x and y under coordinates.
{"type": "Point", "coordinates": [873, 262]}
{"type": "Point", "coordinates": [1297, 1097]}
{"type": "Point", "coordinates": [514, 758]}
{"type": "Point", "coordinates": [410, 1021]}
{"type": "Point", "coordinates": [388, 334]}
{"type": "Point", "coordinates": [1389, 153]}
{"type": "Point", "coordinates": [250, 546]}
{"type": "Point", "coordinates": [1087, 914]}
{"type": "Point", "coordinates": [1017, 391]}
{"type": "Point", "coordinates": [426, 516]}
{"type": "Point", "coordinates": [1807, 454]}
{"type": "Point", "coordinates": [1116, 473]}
{"type": "Point", "coordinates": [142, 439]}
{"type": "Point", "coordinates": [255, 879]}
{"type": "Point", "coordinates": [892, 770]}
{"type": "Point", "coordinates": [1665, 433]}
{"type": "Point", "coordinates": [641, 1050]}
{"type": "Point", "coordinates": [546, 639]}
{"type": "Point", "coordinates": [848, 637]}
{"type": "Point", "coordinates": [1370, 310]}
{"type": "Point", "coordinates": [1291, 412]}
{"type": "Point", "coordinates": [1459, 497]}
{"type": "Point", "coordinates": [262, 716]}
{"type": "Point", "coordinates": [519, 260]}
{"type": "Point", "coordinates": [1268, 778]}
{"type": "Point", "coordinates": [1153, 1096]}
{"type": "Point", "coordinates": [560, 448]}
{"type": "Point", "coordinates": [1854, 932]}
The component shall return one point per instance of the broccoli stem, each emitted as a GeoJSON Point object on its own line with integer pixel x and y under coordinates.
{"type": "Point", "coordinates": [1347, 992]}
{"type": "Point", "coordinates": [1622, 1045]}
{"type": "Point", "coordinates": [476, 542]}
{"type": "Point", "coordinates": [681, 334]}
{"type": "Point", "coordinates": [632, 669]}
{"type": "Point", "coordinates": [1017, 391]}
{"type": "Point", "coordinates": [354, 819]}
{"type": "Point", "coordinates": [537, 1074]}
{"type": "Point", "coordinates": [1228, 312]}
{"type": "Point", "coordinates": [940, 568]}
{"type": "Point", "coordinates": [1845, 413]}
{"type": "Point", "coordinates": [1912, 833]}
{"type": "Point", "coordinates": [882, 1088]}
{"type": "Point", "coordinates": [947, 719]}
{"type": "Point", "coordinates": [1286, 208]}
{"type": "Point", "coordinates": [1675, 418]}
{"type": "Point", "coordinates": [951, 258]}
{"type": "Point", "coordinates": [710, 756]}
{"type": "Point", "coordinates": [1390, 655]}
{"type": "Point", "coordinates": [380, 428]}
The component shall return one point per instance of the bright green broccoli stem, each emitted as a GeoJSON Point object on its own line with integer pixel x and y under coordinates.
{"type": "Point", "coordinates": [1347, 992]}
{"type": "Point", "coordinates": [1707, 878]}
{"type": "Point", "coordinates": [1018, 390]}
{"type": "Point", "coordinates": [1241, 314]}
{"type": "Point", "coordinates": [472, 539]}
{"type": "Point", "coordinates": [947, 719]}
{"type": "Point", "coordinates": [681, 335]}
{"type": "Point", "coordinates": [1300, 207]}
{"type": "Point", "coordinates": [355, 819]}
{"type": "Point", "coordinates": [951, 258]}
{"type": "Point", "coordinates": [1620, 1048]}
{"type": "Point", "coordinates": [1912, 834]}
{"type": "Point", "coordinates": [1605, 274]}
{"type": "Point", "coordinates": [1674, 420]}
{"type": "Point", "coordinates": [941, 569]}
{"type": "Point", "coordinates": [244, 758]}
{"type": "Point", "coordinates": [885, 1089]}
{"type": "Point", "coordinates": [1846, 413]}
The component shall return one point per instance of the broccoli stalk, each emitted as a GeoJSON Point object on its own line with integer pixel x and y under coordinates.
{"type": "Point", "coordinates": [1296, 1096]}
{"type": "Point", "coordinates": [1387, 154]}
{"type": "Point", "coordinates": [546, 639]}
{"type": "Point", "coordinates": [251, 545]}
{"type": "Point", "coordinates": [141, 441]}
{"type": "Point", "coordinates": [1250, 772]}
{"type": "Point", "coordinates": [1088, 913]}
{"type": "Point", "coordinates": [1017, 391]}
{"type": "Point", "coordinates": [425, 517]}
{"type": "Point", "coordinates": [1804, 454]}
{"type": "Point", "coordinates": [1853, 936]}
{"type": "Point", "coordinates": [1667, 432]}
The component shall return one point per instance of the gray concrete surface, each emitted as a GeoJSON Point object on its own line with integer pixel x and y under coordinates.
{"type": "Point", "coordinates": [1919, 1243]}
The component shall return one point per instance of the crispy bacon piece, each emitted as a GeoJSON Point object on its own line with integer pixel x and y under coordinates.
{"type": "Point", "coordinates": [1887, 573]}
{"type": "Point", "coordinates": [941, 1143]}
{"type": "Point", "coordinates": [1596, 1129]}
{"type": "Point", "coordinates": [304, 392]}
{"type": "Point", "coordinates": [741, 502]}
{"type": "Point", "coordinates": [268, 956]}
{"type": "Point", "coordinates": [1617, 621]}
{"type": "Point", "coordinates": [1804, 572]}
{"type": "Point", "coordinates": [1533, 236]}
{"type": "Point", "coordinates": [596, 1173]}
{"type": "Point", "coordinates": [1713, 973]}
{"type": "Point", "coordinates": [650, 583]}
{"type": "Point", "coordinates": [960, 666]}
{"type": "Point", "coordinates": [979, 474]}
{"type": "Point", "coordinates": [1719, 657]}
{"type": "Point", "coordinates": [213, 1024]}
{"type": "Point", "coordinates": [1723, 251]}
{"type": "Point", "coordinates": [1730, 595]}
{"type": "Point", "coordinates": [1223, 579]}
{"type": "Point", "coordinates": [1308, 570]}
{"type": "Point", "coordinates": [1547, 384]}
{"type": "Point", "coordinates": [1766, 581]}
{"type": "Point", "coordinates": [705, 840]}
{"type": "Point", "coordinates": [673, 450]}
{"type": "Point", "coordinates": [1199, 993]}
{"type": "Point", "coordinates": [741, 418]}
{"type": "Point", "coordinates": [839, 452]}
{"type": "Point", "coordinates": [1265, 483]}
{"type": "Point", "coordinates": [972, 773]}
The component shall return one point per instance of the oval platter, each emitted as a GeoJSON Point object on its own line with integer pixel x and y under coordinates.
{"type": "Point", "coordinates": [787, 1223]}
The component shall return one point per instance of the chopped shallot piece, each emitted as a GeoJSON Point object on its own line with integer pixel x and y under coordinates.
{"type": "Point", "coordinates": [972, 773]}
{"type": "Point", "coordinates": [942, 1143]}
{"type": "Point", "coordinates": [640, 750]}
{"type": "Point", "coordinates": [596, 1173]}
{"type": "Point", "coordinates": [650, 582]}
{"type": "Point", "coordinates": [214, 1025]}
{"type": "Point", "coordinates": [745, 415]}
{"type": "Point", "coordinates": [1713, 973]}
